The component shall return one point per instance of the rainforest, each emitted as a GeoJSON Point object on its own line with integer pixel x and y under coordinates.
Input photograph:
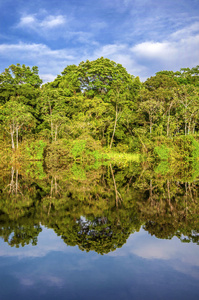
{"type": "Point", "coordinates": [98, 108]}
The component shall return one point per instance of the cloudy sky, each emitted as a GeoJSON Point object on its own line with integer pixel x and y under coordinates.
{"type": "Point", "coordinates": [145, 36]}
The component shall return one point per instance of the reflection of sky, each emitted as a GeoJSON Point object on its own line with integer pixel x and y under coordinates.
{"type": "Point", "coordinates": [144, 268]}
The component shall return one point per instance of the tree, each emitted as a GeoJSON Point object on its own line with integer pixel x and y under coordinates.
{"type": "Point", "coordinates": [158, 100]}
{"type": "Point", "coordinates": [53, 109]}
{"type": "Point", "coordinates": [187, 96]}
{"type": "Point", "coordinates": [151, 106]}
{"type": "Point", "coordinates": [116, 87]}
{"type": "Point", "coordinates": [17, 80]}
{"type": "Point", "coordinates": [15, 116]}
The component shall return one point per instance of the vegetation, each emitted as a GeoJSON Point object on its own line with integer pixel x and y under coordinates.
{"type": "Point", "coordinates": [97, 106]}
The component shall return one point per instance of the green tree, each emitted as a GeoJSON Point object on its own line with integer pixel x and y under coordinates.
{"type": "Point", "coordinates": [188, 99]}
{"type": "Point", "coordinates": [17, 80]}
{"type": "Point", "coordinates": [16, 117]}
{"type": "Point", "coordinates": [53, 109]}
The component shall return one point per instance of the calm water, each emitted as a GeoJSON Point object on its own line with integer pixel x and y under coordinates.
{"type": "Point", "coordinates": [98, 232]}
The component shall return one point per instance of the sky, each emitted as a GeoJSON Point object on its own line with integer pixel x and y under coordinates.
{"type": "Point", "coordinates": [145, 36]}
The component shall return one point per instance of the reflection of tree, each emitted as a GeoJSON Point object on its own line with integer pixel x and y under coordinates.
{"type": "Point", "coordinates": [118, 196]}
{"type": "Point", "coordinates": [106, 225]}
{"type": "Point", "coordinates": [20, 233]}
{"type": "Point", "coordinates": [18, 226]}
{"type": "Point", "coordinates": [89, 210]}
{"type": "Point", "coordinates": [100, 234]}
{"type": "Point", "coordinates": [174, 210]}
{"type": "Point", "coordinates": [13, 186]}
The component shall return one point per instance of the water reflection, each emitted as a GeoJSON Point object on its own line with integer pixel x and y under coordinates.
{"type": "Point", "coordinates": [96, 207]}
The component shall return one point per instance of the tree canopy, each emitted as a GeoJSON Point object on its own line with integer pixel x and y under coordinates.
{"type": "Point", "coordinates": [99, 99]}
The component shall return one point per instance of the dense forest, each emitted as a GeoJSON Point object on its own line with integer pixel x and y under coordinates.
{"type": "Point", "coordinates": [98, 105]}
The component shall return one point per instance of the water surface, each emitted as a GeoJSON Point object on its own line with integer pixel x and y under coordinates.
{"type": "Point", "coordinates": [98, 232]}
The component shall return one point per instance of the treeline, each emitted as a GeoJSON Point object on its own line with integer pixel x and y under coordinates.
{"type": "Point", "coordinates": [98, 99]}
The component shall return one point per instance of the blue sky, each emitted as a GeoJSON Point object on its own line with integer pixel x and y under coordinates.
{"type": "Point", "coordinates": [145, 36]}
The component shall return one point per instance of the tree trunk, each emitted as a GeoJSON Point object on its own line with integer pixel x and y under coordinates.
{"type": "Point", "coordinates": [17, 136]}
{"type": "Point", "coordinates": [56, 129]}
{"type": "Point", "coordinates": [168, 120]}
{"type": "Point", "coordinates": [194, 124]}
{"type": "Point", "coordinates": [12, 181]}
{"type": "Point", "coordinates": [151, 124]}
{"type": "Point", "coordinates": [52, 130]}
{"type": "Point", "coordinates": [16, 188]}
{"type": "Point", "coordinates": [117, 194]}
{"type": "Point", "coordinates": [185, 125]}
{"type": "Point", "coordinates": [189, 127]}
{"type": "Point", "coordinates": [12, 137]}
{"type": "Point", "coordinates": [116, 116]}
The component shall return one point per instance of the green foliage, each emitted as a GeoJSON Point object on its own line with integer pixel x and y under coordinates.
{"type": "Point", "coordinates": [162, 152]}
{"type": "Point", "coordinates": [195, 151]}
{"type": "Point", "coordinates": [78, 172]}
{"type": "Point", "coordinates": [35, 170]}
{"type": "Point", "coordinates": [20, 81]}
{"type": "Point", "coordinates": [162, 167]}
{"type": "Point", "coordinates": [99, 104]}
{"type": "Point", "coordinates": [35, 150]}
{"type": "Point", "coordinates": [78, 148]}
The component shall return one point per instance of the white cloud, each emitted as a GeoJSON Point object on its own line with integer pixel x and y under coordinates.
{"type": "Point", "coordinates": [27, 21]}
{"type": "Point", "coordinates": [144, 59]}
{"type": "Point", "coordinates": [99, 25]}
{"type": "Point", "coordinates": [157, 50]}
{"type": "Point", "coordinates": [180, 49]}
{"type": "Point", "coordinates": [46, 23]}
{"type": "Point", "coordinates": [121, 53]}
{"type": "Point", "coordinates": [186, 31]}
{"type": "Point", "coordinates": [111, 49]}
{"type": "Point", "coordinates": [35, 51]}
{"type": "Point", "coordinates": [47, 77]}
{"type": "Point", "coordinates": [52, 27]}
{"type": "Point", "coordinates": [50, 62]}
{"type": "Point", "coordinates": [53, 21]}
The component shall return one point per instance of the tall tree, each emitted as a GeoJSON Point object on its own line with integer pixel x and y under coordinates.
{"type": "Point", "coordinates": [15, 116]}
{"type": "Point", "coordinates": [17, 80]}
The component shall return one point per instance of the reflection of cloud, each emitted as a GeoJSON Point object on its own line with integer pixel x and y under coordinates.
{"type": "Point", "coordinates": [52, 280]}
{"type": "Point", "coordinates": [48, 242]}
{"type": "Point", "coordinates": [187, 269]}
{"type": "Point", "coordinates": [33, 279]}
{"type": "Point", "coordinates": [163, 250]}
{"type": "Point", "coordinates": [180, 256]}
{"type": "Point", "coordinates": [27, 281]}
